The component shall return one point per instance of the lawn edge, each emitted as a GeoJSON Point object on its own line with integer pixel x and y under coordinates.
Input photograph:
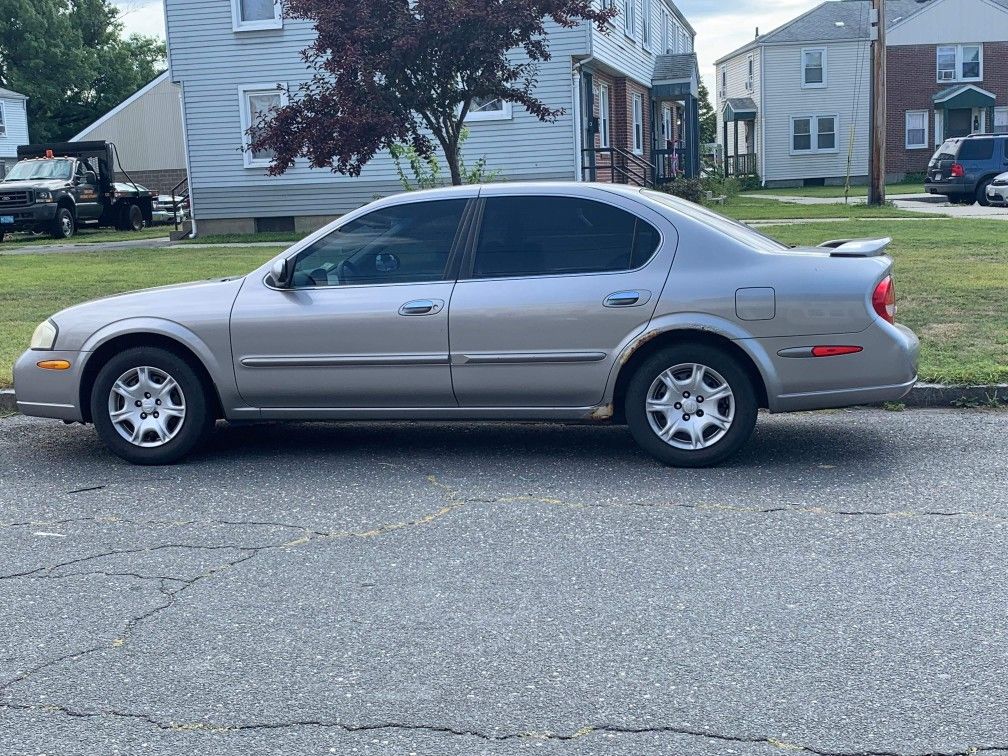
{"type": "Point", "coordinates": [922, 395]}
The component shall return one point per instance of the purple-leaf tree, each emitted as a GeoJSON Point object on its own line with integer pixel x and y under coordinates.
{"type": "Point", "coordinates": [408, 71]}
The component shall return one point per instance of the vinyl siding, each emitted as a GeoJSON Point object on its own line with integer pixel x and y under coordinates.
{"type": "Point", "coordinates": [614, 49]}
{"type": "Point", "coordinates": [783, 98]}
{"type": "Point", "coordinates": [211, 61]}
{"type": "Point", "coordinates": [16, 120]}
{"type": "Point", "coordinates": [738, 74]}
{"type": "Point", "coordinates": [952, 21]}
{"type": "Point", "coordinates": [147, 132]}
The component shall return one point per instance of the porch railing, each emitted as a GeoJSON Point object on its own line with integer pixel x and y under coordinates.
{"type": "Point", "coordinates": [617, 165]}
{"type": "Point", "coordinates": [669, 163]}
{"type": "Point", "coordinates": [741, 165]}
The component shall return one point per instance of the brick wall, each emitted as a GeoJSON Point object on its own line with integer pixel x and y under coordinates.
{"type": "Point", "coordinates": [621, 91]}
{"type": "Point", "coordinates": [159, 181]}
{"type": "Point", "coordinates": [911, 83]}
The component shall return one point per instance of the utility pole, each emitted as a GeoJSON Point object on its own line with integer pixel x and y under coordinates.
{"type": "Point", "coordinates": [877, 168]}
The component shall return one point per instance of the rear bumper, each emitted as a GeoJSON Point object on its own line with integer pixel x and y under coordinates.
{"type": "Point", "coordinates": [49, 393]}
{"type": "Point", "coordinates": [884, 371]}
{"type": "Point", "coordinates": [947, 188]}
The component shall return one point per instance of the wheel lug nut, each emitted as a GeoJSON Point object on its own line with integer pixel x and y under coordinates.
{"type": "Point", "coordinates": [678, 405]}
{"type": "Point", "coordinates": [685, 394]}
{"type": "Point", "coordinates": [157, 402]}
{"type": "Point", "coordinates": [146, 395]}
{"type": "Point", "coordinates": [155, 414]}
{"type": "Point", "coordinates": [699, 399]}
{"type": "Point", "coordinates": [685, 417]}
{"type": "Point", "coordinates": [699, 413]}
{"type": "Point", "coordinates": [137, 402]}
{"type": "Point", "coordinates": [143, 415]}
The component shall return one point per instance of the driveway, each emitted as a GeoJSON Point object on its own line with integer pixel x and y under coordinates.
{"type": "Point", "coordinates": [432, 589]}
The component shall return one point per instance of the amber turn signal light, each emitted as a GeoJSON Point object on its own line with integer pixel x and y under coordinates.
{"type": "Point", "coordinates": [54, 364]}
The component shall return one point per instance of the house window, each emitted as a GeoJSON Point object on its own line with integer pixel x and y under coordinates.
{"type": "Point", "coordinates": [489, 109]}
{"type": "Point", "coordinates": [665, 32]}
{"type": "Point", "coordinates": [629, 17]}
{"type": "Point", "coordinates": [917, 129]}
{"type": "Point", "coordinates": [667, 139]}
{"type": "Point", "coordinates": [603, 107]}
{"type": "Point", "coordinates": [813, 67]}
{"type": "Point", "coordinates": [813, 133]}
{"type": "Point", "coordinates": [646, 24]}
{"type": "Point", "coordinates": [256, 101]}
{"type": "Point", "coordinates": [638, 124]}
{"type": "Point", "coordinates": [3, 119]}
{"type": "Point", "coordinates": [724, 80]}
{"type": "Point", "coordinates": [248, 15]}
{"type": "Point", "coordinates": [960, 63]}
{"type": "Point", "coordinates": [749, 80]}
{"type": "Point", "coordinates": [1001, 120]}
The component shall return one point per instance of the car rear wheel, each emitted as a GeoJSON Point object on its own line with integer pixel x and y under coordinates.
{"type": "Point", "coordinates": [63, 224]}
{"type": "Point", "coordinates": [981, 193]}
{"type": "Point", "coordinates": [150, 407]}
{"type": "Point", "coordinates": [131, 218]}
{"type": "Point", "coordinates": [691, 406]}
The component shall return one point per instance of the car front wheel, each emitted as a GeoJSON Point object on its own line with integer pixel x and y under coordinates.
{"type": "Point", "coordinates": [691, 406]}
{"type": "Point", "coordinates": [63, 225]}
{"type": "Point", "coordinates": [150, 407]}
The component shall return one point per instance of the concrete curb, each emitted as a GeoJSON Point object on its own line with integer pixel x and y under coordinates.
{"type": "Point", "coordinates": [922, 395]}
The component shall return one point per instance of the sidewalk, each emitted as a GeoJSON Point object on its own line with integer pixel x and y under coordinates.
{"type": "Point", "coordinates": [166, 243]}
{"type": "Point", "coordinates": [919, 203]}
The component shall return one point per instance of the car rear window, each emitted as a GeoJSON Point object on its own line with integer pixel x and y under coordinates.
{"type": "Point", "coordinates": [736, 230]}
{"type": "Point", "coordinates": [947, 151]}
{"type": "Point", "coordinates": [976, 149]}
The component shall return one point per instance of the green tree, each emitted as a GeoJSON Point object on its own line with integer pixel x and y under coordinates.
{"type": "Point", "coordinates": [70, 58]}
{"type": "Point", "coordinates": [708, 118]}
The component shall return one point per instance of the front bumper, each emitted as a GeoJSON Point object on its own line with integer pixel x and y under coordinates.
{"type": "Point", "coordinates": [49, 393]}
{"type": "Point", "coordinates": [28, 218]}
{"type": "Point", "coordinates": [997, 195]}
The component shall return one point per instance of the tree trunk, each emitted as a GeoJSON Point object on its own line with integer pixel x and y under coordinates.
{"type": "Point", "coordinates": [452, 158]}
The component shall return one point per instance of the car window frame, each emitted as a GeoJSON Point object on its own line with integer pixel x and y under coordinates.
{"type": "Point", "coordinates": [452, 265]}
{"type": "Point", "coordinates": [466, 273]}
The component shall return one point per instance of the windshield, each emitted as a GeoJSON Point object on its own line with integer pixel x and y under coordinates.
{"type": "Point", "coordinates": [59, 168]}
{"type": "Point", "coordinates": [738, 231]}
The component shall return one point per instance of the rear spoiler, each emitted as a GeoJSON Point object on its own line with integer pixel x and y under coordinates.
{"type": "Point", "coordinates": [857, 247]}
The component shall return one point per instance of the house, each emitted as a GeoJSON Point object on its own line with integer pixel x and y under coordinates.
{"type": "Point", "coordinates": [146, 129]}
{"type": "Point", "coordinates": [13, 127]}
{"type": "Point", "coordinates": [628, 95]}
{"type": "Point", "coordinates": [793, 105]}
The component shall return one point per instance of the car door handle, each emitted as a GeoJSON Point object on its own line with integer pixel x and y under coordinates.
{"type": "Point", "coordinates": [627, 298]}
{"type": "Point", "coordinates": [422, 307]}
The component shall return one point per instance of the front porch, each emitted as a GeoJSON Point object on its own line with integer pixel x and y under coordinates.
{"type": "Point", "coordinates": [669, 123]}
{"type": "Point", "coordinates": [743, 160]}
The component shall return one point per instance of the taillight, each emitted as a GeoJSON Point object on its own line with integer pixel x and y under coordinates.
{"type": "Point", "coordinates": [884, 299]}
{"type": "Point", "coordinates": [957, 170]}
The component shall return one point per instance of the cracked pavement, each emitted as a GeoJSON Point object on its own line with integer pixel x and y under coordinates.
{"type": "Point", "coordinates": [435, 589]}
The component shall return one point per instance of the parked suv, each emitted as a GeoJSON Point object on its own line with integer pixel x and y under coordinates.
{"type": "Point", "coordinates": [964, 167]}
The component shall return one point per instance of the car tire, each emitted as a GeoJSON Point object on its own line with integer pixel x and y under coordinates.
{"type": "Point", "coordinates": [171, 420]}
{"type": "Point", "coordinates": [981, 193]}
{"type": "Point", "coordinates": [671, 378]}
{"type": "Point", "coordinates": [64, 226]}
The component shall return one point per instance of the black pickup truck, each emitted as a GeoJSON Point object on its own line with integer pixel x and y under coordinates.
{"type": "Point", "coordinates": [60, 187]}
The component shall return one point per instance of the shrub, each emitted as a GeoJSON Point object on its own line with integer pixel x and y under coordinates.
{"type": "Point", "coordinates": [688, 189]}
{"type": "Point", "coordinates": [427, 170]}
{"type": "Point", "coordinates": [719, 186]}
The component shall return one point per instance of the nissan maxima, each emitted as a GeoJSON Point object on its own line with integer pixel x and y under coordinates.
{"type": "Point", "coordinates": [552, 301]}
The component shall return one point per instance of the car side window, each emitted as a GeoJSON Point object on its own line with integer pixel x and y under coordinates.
{"type": "Point", "coordinates": [399, 244]}
{"type": "Point", "coordinates": [543, 236]}
{"type": "Point", "coordinates": [976, 149]}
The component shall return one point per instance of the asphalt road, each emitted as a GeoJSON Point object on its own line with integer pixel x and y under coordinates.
{"type": "Point", "coordinates": [431, 589]}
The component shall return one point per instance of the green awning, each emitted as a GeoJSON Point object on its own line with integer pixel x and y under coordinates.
{"type": "Point", "coordinates": [739, 109]}
{"type": "Point", "coordinates": [964, 96]}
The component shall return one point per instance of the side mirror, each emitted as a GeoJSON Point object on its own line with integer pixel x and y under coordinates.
{"type": "Point", "coordinates": [90, 177]}
{"type": "Point", "coordinates": [282, 271]}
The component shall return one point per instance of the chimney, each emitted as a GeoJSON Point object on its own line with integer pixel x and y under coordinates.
{"type": "Point", "coordinates": [757, 32]}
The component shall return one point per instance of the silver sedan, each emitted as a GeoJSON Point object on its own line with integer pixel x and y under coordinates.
{"type": "Point", "coordinates": [553, 301]}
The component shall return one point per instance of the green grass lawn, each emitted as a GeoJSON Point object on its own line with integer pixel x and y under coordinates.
{"type": "Point", "coordinates": [33, 287]}
{"type": "Point", "coordinates": [87, 236]}
{"type": "Point", "coordinates": [951, 283]}
{"type": "Point", "coordinates": [752, 208]}
{"type": "Point", "coordinates": [266, 236]}
{"type": "Point", "coordinates": [951, 287]}
{"type": "Point", "coordinates": [838, 191]}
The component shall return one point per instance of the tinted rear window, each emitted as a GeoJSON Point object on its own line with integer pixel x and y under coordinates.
{"type": "Point", "coordinates": [976, 149]}
{"type": "Point", "coordinates": [947, 151]}
{"type": "Point", "coordinates": [735, 229]}
{"type": "Point", "coordinates": [541, 236]}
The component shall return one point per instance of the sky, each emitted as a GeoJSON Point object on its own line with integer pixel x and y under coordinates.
{"type": "Point", "coordinates": [721, 25]}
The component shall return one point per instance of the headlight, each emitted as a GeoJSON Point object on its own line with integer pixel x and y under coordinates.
{"type": "Point", "coordinates": [43, 195]}
{"type": "Point", "coordinates": [44, 336]}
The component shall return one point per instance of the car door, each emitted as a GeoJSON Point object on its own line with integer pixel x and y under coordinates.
{"type": "Point", "coordinates": [364, 323]}
{"type": "Point", "coordinates": [86, 192]}
{"type": "Point", "coordinates": [554, 284]}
